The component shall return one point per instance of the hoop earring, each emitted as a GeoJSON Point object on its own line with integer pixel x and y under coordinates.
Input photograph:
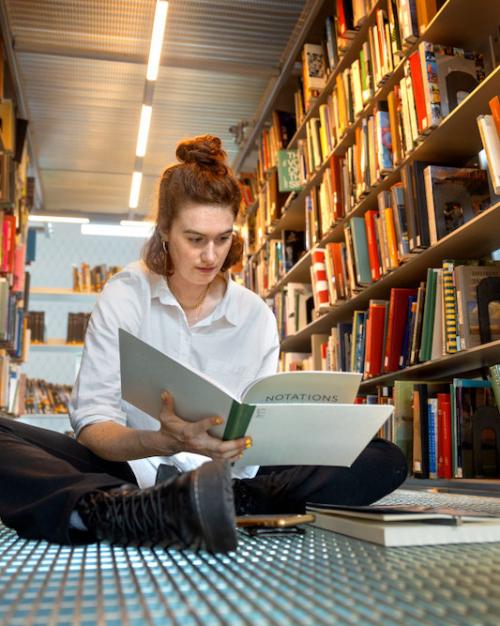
{"type": "Point", "coordinates": [164, 245]}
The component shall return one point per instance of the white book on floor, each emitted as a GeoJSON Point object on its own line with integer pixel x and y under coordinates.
{"type": "Point", "coordinates": [294, 418]}
{"type": "Point", "coordinates": [396, 525]}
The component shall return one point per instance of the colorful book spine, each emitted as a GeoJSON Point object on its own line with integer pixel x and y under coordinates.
{"type": "Point", "coordinates": [432, 94]}
{"type": "Point", "coordinates": [319, 278]}
{"type": "Point", "coordinates": [450, 308]}
{"type": "Point", "coordinates": [432, 416]}
{"type": "Point", "coordinates": [444, 468]}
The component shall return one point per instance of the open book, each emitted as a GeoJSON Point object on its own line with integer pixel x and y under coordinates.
{"type": "Point", "coordinates": [294, 418]}
{"type": "Point", "coordinates": [397, 525]}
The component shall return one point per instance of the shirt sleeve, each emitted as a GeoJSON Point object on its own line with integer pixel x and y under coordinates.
{"type": "Point", "coordinates": [96, 394]}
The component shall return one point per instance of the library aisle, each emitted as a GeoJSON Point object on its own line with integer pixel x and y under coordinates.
{"type": "Point", "coordinates": [364, 140]}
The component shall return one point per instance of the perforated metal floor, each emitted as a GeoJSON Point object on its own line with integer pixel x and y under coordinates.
{"type": "Point", "coordinates": [318, 579]}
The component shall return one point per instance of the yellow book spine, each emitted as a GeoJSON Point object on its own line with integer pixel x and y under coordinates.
{"type": "Point", "coordinates": [392, 243]}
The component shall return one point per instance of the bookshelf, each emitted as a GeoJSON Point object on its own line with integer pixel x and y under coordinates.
{"type": "Point", "coordinates": [67, 295]}
{"type": "Point", "coordinates": [477, 237]}
{"type": "Point", "coordinates": [57, 345]}
{"type": "Point", "coordinates": [457, 22]}
{"type": "Point", "coordinates": [448, 133]}
{"type": "Point", "coordinates": [453, 141]}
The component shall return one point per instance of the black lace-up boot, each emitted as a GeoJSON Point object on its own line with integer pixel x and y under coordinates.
{"type": "Point", "coordinates": [194, 510]}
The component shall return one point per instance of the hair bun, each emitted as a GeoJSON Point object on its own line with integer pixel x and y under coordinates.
{"type": "Point", "coordinates": [205, 151]}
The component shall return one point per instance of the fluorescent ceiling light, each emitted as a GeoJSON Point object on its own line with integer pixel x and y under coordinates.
{"type": "Point", "coordinates": [157, 39]}
{"type": "Point", "coordinates": [115, 230]}
{"type": "Point", "coordinates": [58, 218]}
{"type": "Point", "coordinates": [135, 190]}
{"type": "Point", "coordinates": [137, 223]}
{"type": "Point", "coordinates": [142, 136]}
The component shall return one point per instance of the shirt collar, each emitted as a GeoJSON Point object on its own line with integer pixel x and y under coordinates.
{"type": "Point", "coordinates": [227, 307]}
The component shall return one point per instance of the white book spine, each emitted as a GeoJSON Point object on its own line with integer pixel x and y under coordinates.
{"type": "Point", "coordinates": [491, 143]}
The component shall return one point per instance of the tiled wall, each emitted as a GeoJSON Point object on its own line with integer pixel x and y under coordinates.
{"type": "Point", "coordinates": [57, 249]}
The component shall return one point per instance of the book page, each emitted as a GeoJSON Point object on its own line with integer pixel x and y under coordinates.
{"type": "Point", "coordinates": [312, 434]}
{"type": "Point", "coordinates": [146, 372]}
{"type": "Point", "coordinates": [304, 387]}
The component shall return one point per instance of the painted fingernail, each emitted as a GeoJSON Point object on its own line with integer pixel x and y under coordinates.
{"type": "Point", "coordinates": [218, 421]}
{"type": "Point", "coordinates": [248, 442]}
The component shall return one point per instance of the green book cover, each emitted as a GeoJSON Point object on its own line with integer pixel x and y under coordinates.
{"type": "Point", "coordinates": [289, 178]}
{"type": "Point", "coordinates": [428, 320]}
{"type": "Point", "coordinates": [495, 383]}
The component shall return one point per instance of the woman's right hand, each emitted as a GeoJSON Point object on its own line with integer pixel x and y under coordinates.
{"type": "Point", "coordinates": [178, 435]}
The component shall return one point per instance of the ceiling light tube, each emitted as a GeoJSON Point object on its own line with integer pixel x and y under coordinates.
{"type": "Point", "coordinates": [58, 218]}
{"type": "Point", "coordinates": [114, 230]}
{"type": "Point", "coordinates": [160, 20]}
{"type": "Point", "coordinates": [135, 190]}
{"type": "Point", "coordinates": [137, 223]}
{"type": "Point", "coordinates": [142, 136]}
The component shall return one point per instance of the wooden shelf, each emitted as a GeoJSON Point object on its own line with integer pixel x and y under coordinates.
{"type": "Point", "coordinates": [47, 293]}
{"type": "Point", "coordinates": [57, 345]}
{"type": "Point", "coordinates": [476, 238]}
{"type": "Point", "coordinates": [444, 367]}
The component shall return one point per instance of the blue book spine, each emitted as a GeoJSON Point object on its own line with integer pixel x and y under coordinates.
{"type": "Point", "coordinates": [359, 345]}
{"type": "Point", "coordinates": [433, 435]}
{"type": "Point", "coordinates": [360, 245]}
{"type": "Point", "coordinates": [384, 141]}
{"type": "Point", "coordinates": [345, 331]}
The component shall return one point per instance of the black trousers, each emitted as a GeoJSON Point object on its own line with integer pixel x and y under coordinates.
{"type": "Point", "coordinates": [43, 474]}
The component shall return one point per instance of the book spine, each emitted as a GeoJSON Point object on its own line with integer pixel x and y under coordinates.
{"type": "Point", "coordinates": [444, 436]}
{"type": "Point", "coordinates": [450, 307]}
{"type": "Point", "coordinates": [432, 410]}
{"type": "Point", "coordinates": [495, 383]}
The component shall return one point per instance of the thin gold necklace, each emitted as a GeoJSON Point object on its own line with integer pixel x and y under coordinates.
{"type": "Point", "coordinates": [196, 307]}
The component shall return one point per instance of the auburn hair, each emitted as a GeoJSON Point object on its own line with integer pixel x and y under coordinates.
{"type": "Point", "coordinates": [202, 176]}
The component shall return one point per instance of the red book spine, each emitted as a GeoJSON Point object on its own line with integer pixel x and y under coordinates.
{"type": "Point", "coordinates": [398, 317]}
{"type": "Point", "coordinates": [374, 339]}
{"type": "Point", "coordinates": [418, 91]}
{"type": "Point", "coordinates": [495, 111]}
{"type": "Point", "coordinates": [337, 268]}
{"type": "Point", "coordinates": [338, 210]}
{"type": "Point", "coordinates": [444, 436]}
{"type": "Point", "coordinates": [8, 243]}
{"type": "Point", "coordinates": [320, 276]}
{"type": "Point", "coordinates": [371, 238]}
{"type": "Point", "coordinates": [341, 23]}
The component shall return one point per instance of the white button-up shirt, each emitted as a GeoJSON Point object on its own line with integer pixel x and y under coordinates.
{"type": "Point", "coordinates": [237, 343]}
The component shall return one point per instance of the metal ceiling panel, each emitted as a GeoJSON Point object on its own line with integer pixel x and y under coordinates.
{"type": "Point", "coordinates": [82, 67]}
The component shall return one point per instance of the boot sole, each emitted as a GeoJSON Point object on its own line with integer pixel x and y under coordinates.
{"type": "Point", "coordinates": [212, 495]}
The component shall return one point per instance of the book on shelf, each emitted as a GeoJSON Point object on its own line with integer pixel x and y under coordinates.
{"type": "Point", "coordinates": [289, 178]}
{"type": "Point", "coordinates": [394, 525]}
{"type": "Point", "coordinates": [313, 72]}
{"type": "Point", "coordinates": [270, 410]}
{"type": "Point", "coordinates": [490, 138]}
{"type": "Point", "coordinates": [467, 278]}
{"type": "Point", "coordinates": [454, 196]}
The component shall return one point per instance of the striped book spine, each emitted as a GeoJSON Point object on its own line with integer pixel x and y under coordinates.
{"type": "Point", "coordinates": [450, 307]}
{"type": "Point", "coordinates": [319, 278]}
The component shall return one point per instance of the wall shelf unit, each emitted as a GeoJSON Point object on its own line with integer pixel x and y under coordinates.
{"type": "Point", "coordinates": [478, 237]}
{"type": "Point", "coordinates": [57, 345]}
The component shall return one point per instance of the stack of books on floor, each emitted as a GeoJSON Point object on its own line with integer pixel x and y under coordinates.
{"type": "Point", "coordinates": [409, 525]}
